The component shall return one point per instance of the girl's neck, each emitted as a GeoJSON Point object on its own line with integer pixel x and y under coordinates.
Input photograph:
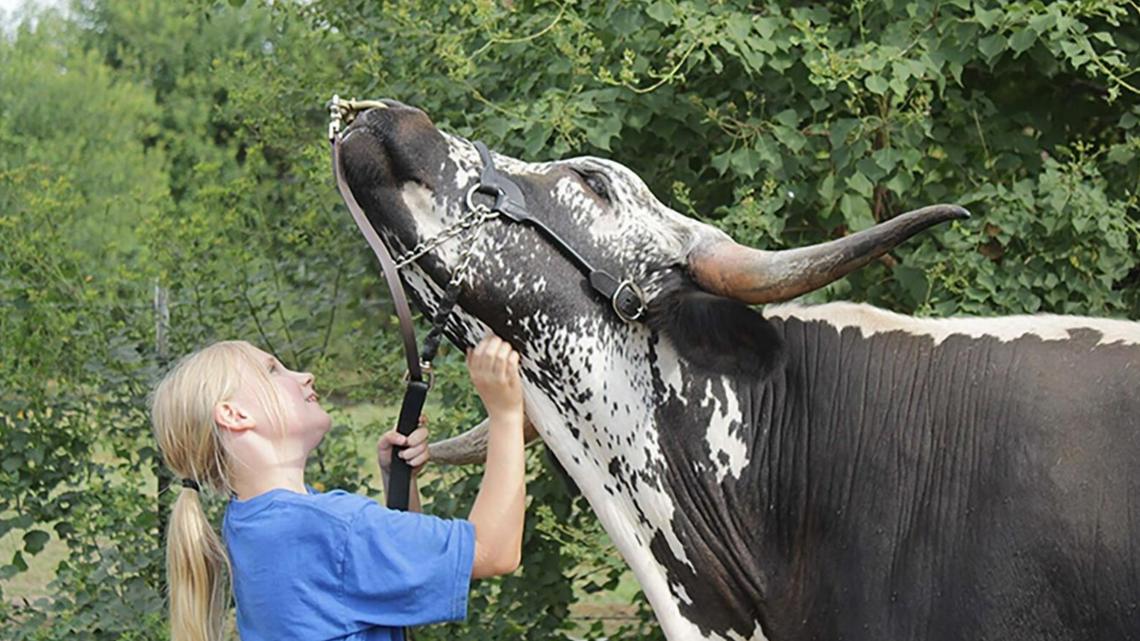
{"type": "Point", "coordinates": [259, 465]}
{"type": "Point", "coordinates": [286, 478]}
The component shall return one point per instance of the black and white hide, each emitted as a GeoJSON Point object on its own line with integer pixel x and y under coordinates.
{"type": "Point", "coordinates": [828, 472]}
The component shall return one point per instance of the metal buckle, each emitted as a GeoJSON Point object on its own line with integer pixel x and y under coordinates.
{"type": "Point", "coordinates": [426, 368]}
{"type": "Point", "coordinates": [637, 293]}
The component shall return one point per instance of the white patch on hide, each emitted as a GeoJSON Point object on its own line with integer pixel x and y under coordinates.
{"type": "Point", "coordinates": [720, 437]}
{"type": "Point", "coordinates": [670, 367]}
{"type": "Point", "coordinates": [872, 320]}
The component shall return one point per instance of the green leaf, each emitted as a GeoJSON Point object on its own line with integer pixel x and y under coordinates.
{"type": "Point", "coordinates": [766, 27]}
{"type": "Point", "coordinates": [1104, 37]}
{"type": "Point", "coordinates": [877, 84]}
{"type": "Point", "coordinates": [1121, 154]}
{"type": "Point", "coordinates": [840, 128]}
{"type": "Point", "coordinates": [992, 45]}
{"type": "Point", "coordinates": [35, 540]}
{"type": "Point", "coordinates": [661, 11]}
{"type": "Point", "coordinates": [886, 158]}
{"type": "Point", "coordinates": [827, 188]}
{"type": "Point", "coordinates": [860, 185]}
{"type": "Point", "coordinates": [497, 127]}
{"type": "Point", "coordinates": [18, 561]}
{"type": "Point", "coordinates": [788, 118]}
{"type": "Point", "coordinates": [720, 161]}
{"type": "Point", "coordinates": [1022, 40]}
{"type": "Point", "coordinates": [536, 138]}
{"type": "Point", "coordinates": [856, 212]}
{"type": "Point", "coordinates": [986, 18]}
{"type": "Point", "coordinates": [900, 182]}
{"type": "Point", "coordinates": [603, 131]}
{"type": "Point", "coordinates": [739, 27]}
{"type": "Point", "coordinates": [790, 138]}
{"type": "Point", "coordinates": [1043, 22]}
{"type": "Point", "coordinates": [745, 161]}
{"type": "Point", "coordinates": [913, 282]}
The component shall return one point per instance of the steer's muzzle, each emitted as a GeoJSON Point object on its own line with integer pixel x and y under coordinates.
{"type": "Point", "coordinates": [386, 147]}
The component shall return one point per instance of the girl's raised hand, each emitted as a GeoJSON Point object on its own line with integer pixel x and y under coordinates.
{"type": "Point", "coordinates": [494, 368]}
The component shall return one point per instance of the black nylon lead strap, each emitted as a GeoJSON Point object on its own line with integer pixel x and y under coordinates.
{"type": "Point", "coordinates": [400, 473]}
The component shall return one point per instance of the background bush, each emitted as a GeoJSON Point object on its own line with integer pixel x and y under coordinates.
{"type": "Point", "coordinates": [154, 147]}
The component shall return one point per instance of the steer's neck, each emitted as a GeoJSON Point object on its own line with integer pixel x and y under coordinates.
{"type": "Point", "coordinates": [663, 456]}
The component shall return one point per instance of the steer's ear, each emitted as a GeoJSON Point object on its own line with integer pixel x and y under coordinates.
{"type": "Point", "coordinates": [717, 334]}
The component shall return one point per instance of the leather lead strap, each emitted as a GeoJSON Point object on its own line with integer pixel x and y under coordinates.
{"type": "Point", "coordinates": [386, 263]}
{"type": "Point", "coordinates": [399, 481]}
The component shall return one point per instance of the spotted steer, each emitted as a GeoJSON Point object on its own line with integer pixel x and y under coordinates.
{"type": "Point", "coordinates": [820, 472]}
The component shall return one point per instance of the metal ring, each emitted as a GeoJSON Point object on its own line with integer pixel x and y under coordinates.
{"type": "Point", "coordinates": [499, 194]}
{"type": "Point", "coordinates": [640, 301]}
{"type": "Point", "coordinates": [470, 193]}
{"type": "Point", "coordinates": [425, 367]}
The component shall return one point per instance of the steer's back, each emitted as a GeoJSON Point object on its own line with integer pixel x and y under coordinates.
{"type": "Point", "coordinates": [994, 477]}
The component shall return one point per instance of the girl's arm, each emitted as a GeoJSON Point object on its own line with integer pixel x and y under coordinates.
{"type": "Point", "coordinates": [498, 510]}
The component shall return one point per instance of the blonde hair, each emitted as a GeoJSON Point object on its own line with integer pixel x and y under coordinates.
{"type": "Point", "coordinates": [182, 411]}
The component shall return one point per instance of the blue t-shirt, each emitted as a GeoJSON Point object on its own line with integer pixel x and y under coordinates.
{"type": "Point", "coordinates": [335, 565]}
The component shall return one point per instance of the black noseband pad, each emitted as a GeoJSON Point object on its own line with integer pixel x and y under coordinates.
{"type": "Point", "coordinates": [509, 199]}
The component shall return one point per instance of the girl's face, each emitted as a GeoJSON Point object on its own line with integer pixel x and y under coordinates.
{"type": "Point", "coordinates": [305, 421]}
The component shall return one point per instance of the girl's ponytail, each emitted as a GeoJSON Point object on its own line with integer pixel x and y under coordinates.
{"type": "Point", "coordinates": [196, 571]}
{"type": "Point", "coordinates": [182, 405]}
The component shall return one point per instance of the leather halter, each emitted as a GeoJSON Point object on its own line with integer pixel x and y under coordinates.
{"type": "Point", "coordinates": [624, 296]}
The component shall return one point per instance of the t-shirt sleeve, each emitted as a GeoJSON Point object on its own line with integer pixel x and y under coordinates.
{"type": "Point", "coordinates": [405, 568]}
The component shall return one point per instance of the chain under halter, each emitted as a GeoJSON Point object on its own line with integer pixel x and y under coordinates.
{"type": "Point", "coordinates": [477, 213]}
{"type": "Point", "coordinates": [446, 304]}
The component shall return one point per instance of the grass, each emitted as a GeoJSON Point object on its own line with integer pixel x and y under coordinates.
{"type": "Point", "coordinates": [33, 583]}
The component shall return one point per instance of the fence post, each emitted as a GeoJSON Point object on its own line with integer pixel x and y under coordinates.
{"type": "Point", "coordinates": [162, 352]}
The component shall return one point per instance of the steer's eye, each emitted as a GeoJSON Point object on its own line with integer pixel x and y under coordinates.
{"type": "Point", "coordinates": [596, 183]}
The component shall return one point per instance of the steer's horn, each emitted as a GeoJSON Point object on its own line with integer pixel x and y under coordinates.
{"type": "Point", "coordinates": [471, 446]}
{"type": "Point", "coordinates": [756, 276]}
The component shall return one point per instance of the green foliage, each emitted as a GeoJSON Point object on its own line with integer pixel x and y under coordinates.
{"type": "Point", "coordinates": [156, 143]}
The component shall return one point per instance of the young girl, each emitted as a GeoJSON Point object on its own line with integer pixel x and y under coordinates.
{"type": "Point", "coordinates": [308, 565]}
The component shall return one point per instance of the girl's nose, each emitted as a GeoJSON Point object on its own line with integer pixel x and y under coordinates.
{"type": "Point", "coordinates": [306, 378]}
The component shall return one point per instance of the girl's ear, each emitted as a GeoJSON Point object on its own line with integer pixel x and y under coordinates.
{"type": "Point", "coordinates": [230, 416]}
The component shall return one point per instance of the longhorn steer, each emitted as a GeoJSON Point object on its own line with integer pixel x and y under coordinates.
{"type": "Point", "coordinates": [826, 472]}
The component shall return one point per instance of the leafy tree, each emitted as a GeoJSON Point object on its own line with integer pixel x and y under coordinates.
{"type": "Point", "coordinates": [184, 145]}
{"type": "Point", "coordinates": [75, 182]}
